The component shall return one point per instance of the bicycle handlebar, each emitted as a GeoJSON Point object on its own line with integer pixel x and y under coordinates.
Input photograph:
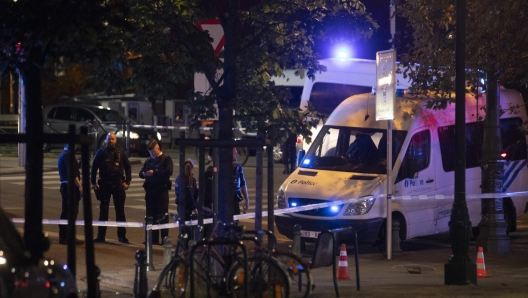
{"type": "Point", "coordinates": [271, 236]}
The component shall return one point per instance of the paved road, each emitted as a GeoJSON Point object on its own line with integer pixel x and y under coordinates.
{"type": "Point", "coordinates": [379, 277]}
{"type": "Point", "coordinates": [12, 189]}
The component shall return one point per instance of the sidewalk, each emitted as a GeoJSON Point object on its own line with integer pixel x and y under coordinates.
{"type": "Point", "coordinates": [378, 277]}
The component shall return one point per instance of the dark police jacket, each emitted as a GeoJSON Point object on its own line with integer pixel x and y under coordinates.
{"type": "Point", "coordinates": [162, 167]}
{"type": "Point", "coordinates": [191, 192]}
{"type": "Point", "coordinates": [113, 165]}
{"type": "Point", "coordinates": [63, 164]}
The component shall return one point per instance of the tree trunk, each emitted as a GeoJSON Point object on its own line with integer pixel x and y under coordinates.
{"type": "Point", "coordinates": [492, 227]}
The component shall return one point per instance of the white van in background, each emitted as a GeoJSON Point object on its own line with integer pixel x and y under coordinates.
{"type": "Point", "coordinates": [342, 79]}
{"type": "Point", "coordinates": [347, 160]}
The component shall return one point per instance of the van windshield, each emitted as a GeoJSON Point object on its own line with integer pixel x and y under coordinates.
{"type": "Point", "coordinates": [348, 149]}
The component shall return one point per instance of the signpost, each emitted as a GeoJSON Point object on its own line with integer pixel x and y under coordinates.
{"type": "Point", "coordinates": [385, 84]}
{"type": "Point", "coordinates": [216, 32]}
{"type": "Point", "coordinates": [385, 93]}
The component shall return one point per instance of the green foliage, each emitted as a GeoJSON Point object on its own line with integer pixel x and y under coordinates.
{"type": "Point", "coordinates": [57, 33]}
{"type": "Point", "coordinates": [263, 38]}
{"type": "Point", "coordinates": [496, 42]}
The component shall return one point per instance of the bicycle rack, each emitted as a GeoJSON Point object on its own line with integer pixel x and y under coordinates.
{"type": "Point", "coordinates": [220, 241]}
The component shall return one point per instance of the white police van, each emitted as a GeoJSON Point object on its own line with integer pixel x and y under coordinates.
{"type": "Point", "coordinates": [342, 79]}
{"type": "Point", "coordinates": [347, 160]}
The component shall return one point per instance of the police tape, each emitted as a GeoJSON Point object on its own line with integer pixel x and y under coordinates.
{"type": "Point", "coordinates": [176, 224]}
{"type": "Point", "coordinates": [165, 127]}
{"type": "Point", "coordinates": [468, 197]}
{"type": "Point", "coordinates": [174, 127]}
{"type": "Point", "coordinates": [81, 223]}
{"type": "Point", "coordinates": [168, 127]}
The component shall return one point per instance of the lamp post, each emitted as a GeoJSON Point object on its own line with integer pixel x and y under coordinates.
{"type": "Point", "coordinates": [460, 270]}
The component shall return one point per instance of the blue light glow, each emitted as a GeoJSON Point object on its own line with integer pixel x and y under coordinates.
{"type": "Point", "coordinates": [343, 52]}
{"type": "Point", "coordinates": [334, 208]}
{"type": "Point", "coordinates": [306, 161]}
{"type": "Point", "coordinates": [294, 204]}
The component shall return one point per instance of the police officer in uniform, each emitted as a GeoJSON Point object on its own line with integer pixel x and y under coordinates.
{"type": "Point", "coordinates": [156, 171]}
{"type": "Point", "coordinates": [241, 192]}
{"type": "Point", "coordinates": [114, 179]}
{"type": "Point", "coordinates": [63, 163]}
{"type": "Point", "coordinates": [289, 156]}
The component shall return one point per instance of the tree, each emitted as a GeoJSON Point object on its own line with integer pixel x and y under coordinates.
{"type": "Point", "coordinates": [497, 49]}
{"type": "Point", "coordinates": [36, 36]}
{"type": "Point", "coordinates": [262, 38]}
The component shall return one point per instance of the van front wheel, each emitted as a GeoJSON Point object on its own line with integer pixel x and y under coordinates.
{"type": "Point", "coordinates": [398, 219]}
{"type": "Point", "coordinates": [508, 218]}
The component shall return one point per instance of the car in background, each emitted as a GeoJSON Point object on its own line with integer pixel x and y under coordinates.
{"type": "Point", "coordinates": [19, 277]}
{"type": "Point", "coordinates": [103, 120]}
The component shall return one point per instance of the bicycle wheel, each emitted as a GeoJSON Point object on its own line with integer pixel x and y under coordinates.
{"type": "Point", "coordinates": [299, 273]}
{"type": "Point", "coordinates": [172, 281]}
{"type": "Point", "coordinates": [266, 278]}
{"type": "Point", "coordinates": [208, 274]}
{"type": "Point", "coordinates": [243, 155]}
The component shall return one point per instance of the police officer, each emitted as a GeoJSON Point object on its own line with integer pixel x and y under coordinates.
{"type": "Point", "coordinates": [191, 190]}
{"type": "Point", "coordinates": [241, 192]}
{"type": "Point", "coordinates": [289, 156]}
{"type": "Point", "coordinates": [63, 163]}
{"type": "Point", "coordinates": [156, 171]}
{"type": "Point", "coordinates": [114, 179]}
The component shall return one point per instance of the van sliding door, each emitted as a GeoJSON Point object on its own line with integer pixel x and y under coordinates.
{"type": "Point", "coordinates": [416, 176]}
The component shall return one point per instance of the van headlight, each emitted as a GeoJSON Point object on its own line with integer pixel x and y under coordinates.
{"type": "Point", "coordinates": [360, 208]}
{"type": "Point", "coordinates": [281, 200]}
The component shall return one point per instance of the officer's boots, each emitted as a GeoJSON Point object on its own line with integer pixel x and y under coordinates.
{"type": "Point", "coordinates": [286, 169]}
{"type": "Point", "coordinates": [292, 168]}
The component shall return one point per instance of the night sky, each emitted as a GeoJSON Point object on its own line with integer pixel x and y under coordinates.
{"type": "Point", "coordinates": [367, 49]}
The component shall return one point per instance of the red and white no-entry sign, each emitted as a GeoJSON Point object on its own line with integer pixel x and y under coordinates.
{"type": "Point", "coordinates": [216, 32]}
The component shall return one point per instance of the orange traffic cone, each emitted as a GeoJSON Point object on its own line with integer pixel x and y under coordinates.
{"type": "Point", "coordinates": [481, 267]}
{"type": "Point", "coordinates": [342, 272]}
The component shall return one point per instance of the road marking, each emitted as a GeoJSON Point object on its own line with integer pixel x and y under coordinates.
{"type": "Point", "coordinates": [23, 178]}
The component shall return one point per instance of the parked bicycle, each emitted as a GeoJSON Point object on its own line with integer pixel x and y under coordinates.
{"type": "Point", "coordinates": [298, 270]}
{"type": "Point", "coordinates": [219, 267]}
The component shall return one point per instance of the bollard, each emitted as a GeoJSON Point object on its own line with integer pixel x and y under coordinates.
{"type": "Point", "coordinates": [296, 249]}
{"type": "Point", "coordinates": [148, 243]}
{"type": "Point", "coordinates": [396, 249]}
{"type": "Point", "coordinates": [167, 250]}
{"type": "Point", "coordinates": [140, 278]}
